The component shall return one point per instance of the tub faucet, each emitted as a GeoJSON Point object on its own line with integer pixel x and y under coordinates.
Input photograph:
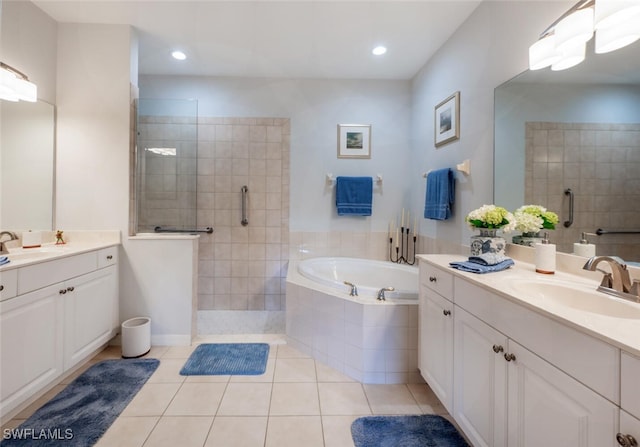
{"type": "Point", "coordinates": [354, 289]}
{"type": "Point", "coordinates": [381, 296]}
{"type": "Point", "coordinates": [12, 237]}
{"type": "Point", "coordinates": [618, 282]}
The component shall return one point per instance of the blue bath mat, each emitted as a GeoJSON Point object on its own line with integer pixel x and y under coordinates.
{"type": "Point", "coordinates": [241, 359]}
{"type": "Point", "coordinates": [427, 430]}
{"type": "Point", "coordinates": [80, 414]}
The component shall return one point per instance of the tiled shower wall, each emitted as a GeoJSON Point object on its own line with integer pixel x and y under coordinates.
{"type": "Point", "coordinates": [240, 267]}
{"type": "Point", "coordinates": [600, 163]}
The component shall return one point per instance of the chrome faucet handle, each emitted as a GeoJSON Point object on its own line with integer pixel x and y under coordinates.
{"type": "Point", "coordinates": [354, 289]}
{"type": "Point", "coordinates": [381, 296]}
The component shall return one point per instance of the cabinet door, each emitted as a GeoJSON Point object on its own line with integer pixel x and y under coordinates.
{"type": "Point", "coordinates": [548, 408]}
{"type": "Point", "coordinates": [480, 381]}
{"type": "Point", "coordinates": [31, 344]}
{"type": "Point", "coordinates": [629, 430]}
{"type": "Point", "coordinates": [436, 345]}
{"type": "Point", "coordinates": [88, 313]}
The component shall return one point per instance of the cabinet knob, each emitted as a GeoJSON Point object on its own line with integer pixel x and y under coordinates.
{"type": "Point", "coordinates": [70, 289]}
{"type": "Point", "coordinates": [432, 279]}
{"type": "Point", "coordinates": [446, 312]}
{"type": "Point", "coordinates": [626, 440]}
{"type": "Point", "coordinates": [110, 257]}
{"type": "Point", "coordinates": [509, 357]}
{"type": "Point", "coordinates": [497, 349]}
{"type": "Point", "coordinates": [62, 291]}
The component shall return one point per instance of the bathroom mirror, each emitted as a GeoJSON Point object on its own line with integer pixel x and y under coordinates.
{"type": "Point", "coordinates": [576, 129]}
{"type": "Point", "coordinates": [27, 154]}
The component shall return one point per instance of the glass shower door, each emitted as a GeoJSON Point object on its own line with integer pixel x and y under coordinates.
{"type": "Point", "coordinates": [166, 165]}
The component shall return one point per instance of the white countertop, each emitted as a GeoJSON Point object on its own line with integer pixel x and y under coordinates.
{"type": "Point", "coordinates": [623, 333]}
{"type": "Point", "coordinates": [75, 243]}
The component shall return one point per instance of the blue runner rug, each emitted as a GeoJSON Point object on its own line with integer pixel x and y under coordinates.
{"type": "Point", "coordinates": [427, 430]}
{"type": "Point", "coordinates": [80, 414]}
{"type": "Point", "coordinates": [242, 359]}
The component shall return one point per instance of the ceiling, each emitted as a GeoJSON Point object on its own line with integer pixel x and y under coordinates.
{"type": "Point", "coordinates": [292, 39]}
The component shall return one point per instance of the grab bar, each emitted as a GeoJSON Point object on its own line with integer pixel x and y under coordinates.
{"type": "Point", "coordinates": [244, 220]}
{"type": "Point", "coordinates": [159, 229]}
{"type": "Point", "coordinates": [600, 231]}
{"type": "Point", "coordinates": [568, 192]}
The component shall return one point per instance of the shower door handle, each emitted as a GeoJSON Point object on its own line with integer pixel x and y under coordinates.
{"type": "Point", "coordinates": [244, 190]}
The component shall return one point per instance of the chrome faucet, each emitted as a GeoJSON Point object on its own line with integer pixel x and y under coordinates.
{"type": "Point", "coordinates": [381, 296]}
{"type": "Point", "coordinates": [12, 237]}
{"type": "Point", "coordinates": [618, 282]}
{"type": "Point", "coordinates": [354, 289]}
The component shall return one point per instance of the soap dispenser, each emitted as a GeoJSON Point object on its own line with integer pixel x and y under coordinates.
{"type": "Point", "coordinates": [545, 256]}
{"type": "Point", "coordinates": [584, 248]}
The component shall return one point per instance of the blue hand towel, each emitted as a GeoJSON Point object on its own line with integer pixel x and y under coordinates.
{"type": "Point", "coordinates": [354, 196]}
{"type": "Point", "coordinates": [4, 260]}
{"type": "Point", "coordinates": [474, 267]}
{"type": "Point", "coordinates": [440, 194]}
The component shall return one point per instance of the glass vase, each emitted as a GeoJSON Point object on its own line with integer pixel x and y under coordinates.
{"type": "Point", "coordinates": [487, 241]}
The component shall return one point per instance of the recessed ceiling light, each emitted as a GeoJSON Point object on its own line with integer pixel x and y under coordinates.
{"type": "Point", "coordinates": [179, 55]}
{"type": "Point", "coordinates": [379, 50]}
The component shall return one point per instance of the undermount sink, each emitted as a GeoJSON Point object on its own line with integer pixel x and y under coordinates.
{"type": "Point", "coordinates": [577, 297]}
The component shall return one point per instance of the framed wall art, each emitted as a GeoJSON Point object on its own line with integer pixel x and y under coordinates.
{"type": "Point", "coordinates": [354, 141]}
{"type": "Point", "coordinates": [447, 120]}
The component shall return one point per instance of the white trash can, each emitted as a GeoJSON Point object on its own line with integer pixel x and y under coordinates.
{"type": "Point", "coordinates": [136, 337]}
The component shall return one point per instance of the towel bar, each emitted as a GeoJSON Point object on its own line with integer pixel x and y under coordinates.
{"type": "Point", "coordinates": [331, 179]}
{"type": "Point", "coordinates": [464, 167]}
{"type": "Point", "coordinates": [159, 229]}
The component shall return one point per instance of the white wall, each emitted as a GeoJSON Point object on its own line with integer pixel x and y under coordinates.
{"type": "Point", "coordinates": [488, 49]}
{"type": "Point", "coordinates": [315, 108]}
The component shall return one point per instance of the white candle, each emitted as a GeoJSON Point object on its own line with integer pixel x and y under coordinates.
{"type": "Point", "coordinates": [408, 219]}
{"type": "Point", "coordinates": [397, 236]}
{"type": "Point", "coordinates": [402, 221]}
{"type": "Point", "coordinates": [415, 225]}
{"type": "Point", "coordinates": [390, 229]}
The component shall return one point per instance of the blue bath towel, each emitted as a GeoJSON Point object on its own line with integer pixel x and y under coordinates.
{"type": "Point", "coordinates": [440, 194]}
{"type": "Point", "coordinates": [354, 196]}
{"type": "Point", "coordinates": [474, 267]}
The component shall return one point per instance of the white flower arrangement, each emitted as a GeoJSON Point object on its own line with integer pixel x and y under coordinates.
{"type": "Point", "coordinates": [533, 218]}
{"type": "Point", "coordinates": [491, 217]}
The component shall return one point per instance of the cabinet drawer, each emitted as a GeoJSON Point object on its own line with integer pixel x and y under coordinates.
{"type": "Point", "coordinates": [587, 359]}
{"type": "Point", "coordinates": [107, 256]}
{"type": "Point", "coordinates": [436, 279]}
{"type": "Point", "coordinates": [36, 276]}
{"type": "Point", "coordinates": [8, 284]}
{"type": "Point", "coordinates": [629, 389]}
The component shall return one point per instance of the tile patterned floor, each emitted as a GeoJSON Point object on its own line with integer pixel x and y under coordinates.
{"type": "Point", "coordinates": [296, 402]}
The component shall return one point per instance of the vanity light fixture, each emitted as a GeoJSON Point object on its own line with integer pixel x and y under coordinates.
{"type": "Point", "coordinates": [179, 55]}
{"type": "Point", "coordinates": [15, 85]}
{"type": "Point", "coordinates": [562, 45]}
{"type": "Point", "coordinates": [379, 50]}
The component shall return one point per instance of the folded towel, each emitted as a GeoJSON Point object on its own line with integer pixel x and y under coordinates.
{"type": "Point", "coordinates": [354, 196]}
{"type": "Point", "coordinates": [488, 258]}
{"type": "Point", "coordinates": [440, 194]}
{"type": "Point", "coordinates": [474, 267]}
{"type": "Point", "coordinates": [4, 260]}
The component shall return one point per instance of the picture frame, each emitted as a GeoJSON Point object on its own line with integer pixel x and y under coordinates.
{"type": "Point", "coordinates": [447, 120]}
{"type": "Point", "coordinates": [354, 141]}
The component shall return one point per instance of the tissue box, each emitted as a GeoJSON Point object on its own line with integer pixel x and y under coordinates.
{"type": "Point", "coordinates": [31, 239]}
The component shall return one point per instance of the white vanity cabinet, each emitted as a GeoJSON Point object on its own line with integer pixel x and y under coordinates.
{"type": "Point", "coordinates": [480, 377]}
{"type": "Point", "coordinates": [65, 309]}
{"type": "Point", "coordinates": [436, 333]}
{"type": "Point", "coordinates": [521, 378]}
{"type": "Point", "coordinates": [629, 398]}
{"type": "Point", "coordinates": [31, 340]}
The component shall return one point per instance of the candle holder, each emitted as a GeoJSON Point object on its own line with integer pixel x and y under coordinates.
{"type": "Point", "coordinates": [405, 253]}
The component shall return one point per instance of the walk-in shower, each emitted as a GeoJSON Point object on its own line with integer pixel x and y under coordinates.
{"type": "Point", "coordinates": [230, 174]}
